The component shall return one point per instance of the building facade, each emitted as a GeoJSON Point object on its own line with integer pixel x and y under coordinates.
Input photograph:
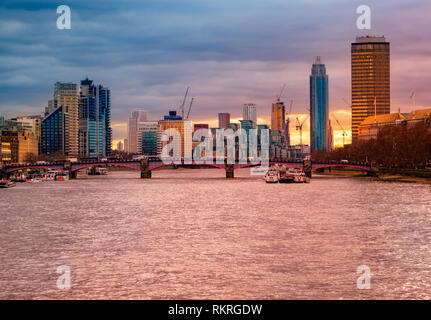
{"type": "Point", "coordinates": [149, 138]}
{"type": "Point", "coordinates": [223, 120]}
{"type": "Point", "coordinates": [65, 97]}
{"type": "Point", "coordinates": [132, 129]}
{"type": "Point", "coordinates": [370, 79]}
{"type": "Point", "coordinates": [249, 113]}
{"type": "Point", "coordinates": [52, 133]}
{"type": "Point", "coordinates": [319, 107]}
{"type": "Point", "coordinates": [184, 127]}
{"type": "Point", "coordinates": [95, 131]}
{"type": "Point", "coordinates": [23, 145]}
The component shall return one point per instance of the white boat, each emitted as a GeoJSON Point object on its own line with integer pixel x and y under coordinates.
{"type": "Point", "coordinates": [61, 176]}
{"type": "Point", "coordinates": [298, 176]}
{"type": "Point", "coordinates": [272, 175]}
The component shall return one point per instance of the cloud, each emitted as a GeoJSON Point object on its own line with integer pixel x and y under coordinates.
{"type": "Point", "coordinates": [229, 52]}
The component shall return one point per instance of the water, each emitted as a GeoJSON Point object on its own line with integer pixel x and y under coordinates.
{"type": "Point", "coordinates": [191, 234]}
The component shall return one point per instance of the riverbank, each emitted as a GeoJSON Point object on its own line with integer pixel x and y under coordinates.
{"type": "Point", "coordinates": [387, 175]}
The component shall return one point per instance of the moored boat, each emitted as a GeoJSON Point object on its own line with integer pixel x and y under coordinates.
{"type": "Point", "coordinates": [7, 184]}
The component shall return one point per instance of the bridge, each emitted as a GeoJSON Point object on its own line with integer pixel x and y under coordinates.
{"type": "Point", "coordinates": [147, 165]}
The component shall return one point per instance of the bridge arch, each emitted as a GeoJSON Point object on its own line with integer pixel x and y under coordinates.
{"type": "Point", "coordinates": [114, 164]}
{"type": "Point", "coordinates": [258, 164]}
{"type": "Point", "coordinates": [192, 164]}
{"type": "Point", "coordinates": [34, 167]}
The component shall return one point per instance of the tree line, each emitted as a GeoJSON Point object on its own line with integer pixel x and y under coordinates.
{"type": "Point", "coordinates": [405, 146]}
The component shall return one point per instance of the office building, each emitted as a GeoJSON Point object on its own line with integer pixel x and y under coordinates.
{"type": "Point", "coordinates": [184, 127]}
{"type": "Point", "coordinates": [149, 138]}
{"type": "Point", "coordinates": [95, 131]}
{"type": "Point", "coordinates": [370, 79]}
{"type": "Point", "coordinates": [319, 107]}
{"type": "Point", "coordinates": [132, 129]}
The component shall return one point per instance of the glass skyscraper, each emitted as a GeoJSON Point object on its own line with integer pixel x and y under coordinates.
{"type": "Point", "coordinates": [319, 107]}
{"type": "Point", "coordinates": [94, 120]}
{"type": "Point", "coordinates": [52, 133]}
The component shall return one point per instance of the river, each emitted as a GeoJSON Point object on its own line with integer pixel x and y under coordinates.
{"type": "Point", "coordinates": [191, 234]}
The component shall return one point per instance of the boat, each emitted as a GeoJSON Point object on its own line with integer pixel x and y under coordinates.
{"type": "Point", "coordinates": [7, 184]}
{"type": "Point", "coordinates": [272, 175]}
{"type": "Point", "coordinates": [297, 176]}
{"type": "Point", "coordinates": [283, 174]}
{"type": "Point", "coordinates": [61, 176]}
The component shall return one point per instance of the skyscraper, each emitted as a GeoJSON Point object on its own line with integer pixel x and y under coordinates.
{"type": "Point", "coordinates": [94, 120]}
{"type": "Point", "coordinates": [278, 118]}
{"type": "Point", "coordinates": [249, 113]}
{"type": "Point", "coordinates": [61, 116]}
{"type": "Point", "coordinates": [223, 120]}
{"type": "Point", "coordinates": [319, 107]}
{"type": "Point", "coordinates": [370, 79]}
{"type": "Point", "coordinates": [132, 129]}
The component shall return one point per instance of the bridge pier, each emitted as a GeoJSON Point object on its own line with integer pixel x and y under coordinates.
{"type": "Point", "coordinates": [229, 171]}
{"type": "Point", "coordinates": [67, 167]}
{"type": "Point", "coordinates": [145, 172]}
{"type": "Point", "coordinates": [307, 168]}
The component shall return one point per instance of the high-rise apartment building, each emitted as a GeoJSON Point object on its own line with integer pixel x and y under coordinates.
{"type": "Point", "coordinates": [223, 120]}
{"type": "Point", "coordinates": [319, 107]}
{"type": "Point", "coordinates": [249, 113]}
{"type": "Point", "coordinates": [64, 104]}
{"type": "Point", "coordinates": [95, 131]}
{"type": "Point", "coordinates": [370, 79]}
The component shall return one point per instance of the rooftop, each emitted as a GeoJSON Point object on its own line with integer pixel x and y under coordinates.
{"type": "Point", "coordinates": [382, 118]}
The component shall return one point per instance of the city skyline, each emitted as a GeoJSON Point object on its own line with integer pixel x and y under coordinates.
{"type": "Point", "coordinates": [223, 74]}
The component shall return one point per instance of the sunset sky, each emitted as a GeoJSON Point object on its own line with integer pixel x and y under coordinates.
{"type": "Point", "coordinates": [228, 51]}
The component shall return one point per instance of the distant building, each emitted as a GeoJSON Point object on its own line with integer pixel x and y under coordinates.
{"type": "Point", "coordinates": [132, 129]}
{"type": "Point", "coordinates": [64, 103]}
{"type": "Point", "coordinates": [95, 131]}
{"type": "Point", "coordinates": [5, 153]}
{"type": "Point", "coordinates": [249, 113]}
{"type": "Point", "coordinates": [223, 120]}
{"type": "Point", "coordinates": [370, 79]}
{"type": "Point", "coordinates": [52, 133]}
{"type": "Point", "coordinates": [23, 145]}
{"type": "Point", "coordinates": [198, 126]}
{"type": "Point", "coordinates": [120, 146]}
{"type": "Point", "coordinates": [184, 127]}
{"type": "Point", "coordinates": [330, 136]}
{"type": "Point", "coordinates": [370, 127]}
{"type": "Point", "coordinates": [149, 142]}
{"type": "Point", "coordinates": [319, 107]}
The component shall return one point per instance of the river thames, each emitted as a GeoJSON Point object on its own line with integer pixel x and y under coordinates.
{"type": "Point", "coordinates": [191, 234]}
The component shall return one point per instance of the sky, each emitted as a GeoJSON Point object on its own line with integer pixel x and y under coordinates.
{"type": "Point", "coordinates": [229, 52]}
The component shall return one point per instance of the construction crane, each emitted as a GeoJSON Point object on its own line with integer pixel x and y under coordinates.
{"type": "Point", "coordinates": [281, 93]}
{"type": "Point", "coordinates": [190, 107]}
{"type": "Point", "coordinates": [184, 101]}
{"type": "Point", "coordinates": [299, 126]}
{"type": "Point", "coordinates": [344, 131]}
